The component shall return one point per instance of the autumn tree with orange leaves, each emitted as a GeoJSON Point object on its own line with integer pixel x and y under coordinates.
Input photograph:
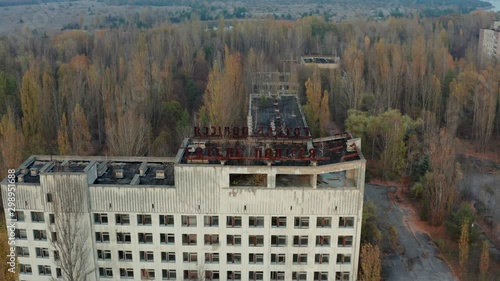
{"type": "Point", "coordinates": [224, 97]}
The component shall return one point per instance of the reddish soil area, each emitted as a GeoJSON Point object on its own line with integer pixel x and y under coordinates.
{"type": "Point", "coordinates": [492, 151]}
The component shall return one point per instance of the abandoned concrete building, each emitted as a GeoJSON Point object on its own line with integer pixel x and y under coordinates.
{"type": "Point", "coordinates": [261, 202]}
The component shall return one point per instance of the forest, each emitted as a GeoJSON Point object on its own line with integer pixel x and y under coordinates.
{"type": "Point", "coordinates": [410, 87]}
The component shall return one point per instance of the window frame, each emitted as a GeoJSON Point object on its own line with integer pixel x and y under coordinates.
{"type": "Point", "coordinates": [47, 270]}
{"type": "Point", "coordinates": [101, 218]}
{"type": "Point", "coordinates": [278, 222]}
{"type": "Point", "coordinates": [40, 234]}
{"type": "Point", "coordinates": [256, 221]}
{"type": "Point", "coordinates": [37, 217]}
{"type": "Point", "coordinates": [234, 221]}
{"type": "Point", "coordinates": [145, 236]}
{"type": "Point", "coordinates": [253, 258]}
{"type": "Point", "coordinates": [147, 274]}
{"type": "Point", "coordinates": [22, 251]}
{"type": "Point", "coordinates": [189, 220]}
{"type": "Point", "coordinates": [322, 258]}
{"type": "Point", "coordinates": [121, 238]}
{"type": "Point", "coordinates": [26, 269]}
{"type": "Point", "coordinates": [190, 257]}
{"type": "Point", "coordinates": [256, 240]}
{"type": "Point", "coordinates": [298, 240]}
{"type": "Point", "coordinates": [212, 258]}
{"type": "Point", "coordinates": [345, 241]}
{"type": "Point", "coordinates": [168, 257]}
{"type": "Point", "coordinates": [125, 273]}
{"type": "Point", "coordinates": [323, 240]}
{"type": "Point", "coordinates": [165, 238]}
{"type": "Point", "coordinates": [211, 239]}
{"type": "Point", "coordinates": [342, 275]}
{"type": "Point", "coordinates": [299, 275]}
{"type": "Point", "coordinates": [105, 271]}
{"type": "Point", "coordinates": [19, 234]}
{"type": "Point", "coordinates": [18, 217]}
{"type": "Point", "coordinates": [279, 258]}
{"type": "Point", "coordinates": [256, 275]}
{"type": "Point", "coordinates": [279, 240]}
{"type": "Point", "coordinates": [299, 258]}
{"type": "Point", "coordinates": [301, 222]}
{"type": "Point", "coordinates": [188, 241]}
{"type": "Point", "coordinates": [233, 240]}
{"type": "Point", "coordinates": [42, 253]}
{"type": "Point", "coordinates": [103, 255]}
{"type": "Point", "coordinates": [277, 275]}
{"type": "Point", "coordinates": [344, 259]}
{"type": "Point", "coordinates": [236, 275]}
{"type": "Point", "coordinates": [122, 219]}
{"type": "Point", "coordinates": [102, 235]}
{"type": "Point", "coordinates": [324, 222]}
{"type": "Point", "coordinates": [125, 255]}
{"type": "Point", "coordinates": [144, 220]}
{"type": "Point", "coordinates": [234, 257]}
{"type": "Point", "coordinates": [167, 220]}
{"type": "Point", "coordinates": [346, 222]}
{"type": "Point", "coordinates": [210, 221]}
{"type": "Point", "coordinates": [146, 256]}
{"type": "Point", "coordinates": [166, 274]}
{"type": "Point", "coordinates": [320, 275]}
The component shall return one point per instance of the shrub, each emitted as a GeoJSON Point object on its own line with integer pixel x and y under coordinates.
{"type": "Point", "coordinates": [369, 228]}
{"type": "Point", "coordinates": [460, 215]}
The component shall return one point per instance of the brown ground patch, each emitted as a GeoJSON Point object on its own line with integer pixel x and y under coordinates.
{"type": "Point", "coordinates": [491, 152]}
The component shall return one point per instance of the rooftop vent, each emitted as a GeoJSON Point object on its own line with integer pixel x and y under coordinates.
{"type": "Point", "coordinates": [20, 178]}
{"type": "Point", "coordinates": [135, 180]}
{"type": "Point", "coordinates": [143, 169]}
{"type": "Point", "coordinates": [33, 172]}
{"type": "Point", "coordinates": [102, 168]}
{"type": "Point", "coordinates": [160, 174]}
{"type": "Point", "coordinates": [119, 173]}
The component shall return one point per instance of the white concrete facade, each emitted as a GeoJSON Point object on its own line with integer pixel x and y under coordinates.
{"type": "Point", "coordinates": [268, 232]}
{"type": "Point", "coordinates": [489, 43]}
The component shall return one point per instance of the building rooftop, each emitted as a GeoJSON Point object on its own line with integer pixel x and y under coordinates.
{"type": "Point", "coordinates": [320, 61]}
{"type": "Point", "coordinates": [276, 134]}
{"type": "Point", "coordinates": [110, 170]}
{"type": "Point", "coordinates": [275, 111]}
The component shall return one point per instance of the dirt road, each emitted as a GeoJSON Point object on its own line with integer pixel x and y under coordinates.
{"type": "Point", "coordinates": [418, 260]}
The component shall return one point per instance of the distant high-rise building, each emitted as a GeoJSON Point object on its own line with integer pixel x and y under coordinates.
{"type": "Point", "coordinates": [262, 202]}
{"type": "Point", "coordinates": [489, 43]}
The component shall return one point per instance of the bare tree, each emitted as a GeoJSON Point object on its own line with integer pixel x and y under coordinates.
{"type": "Point", "coordinates": [444, 175]}
{"type": "Point", "coordinates": [128, 134]}
{"type": "Point", "coordinates": [70, 239]}
{"type": "Point", "coordinates": [201, 272]}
